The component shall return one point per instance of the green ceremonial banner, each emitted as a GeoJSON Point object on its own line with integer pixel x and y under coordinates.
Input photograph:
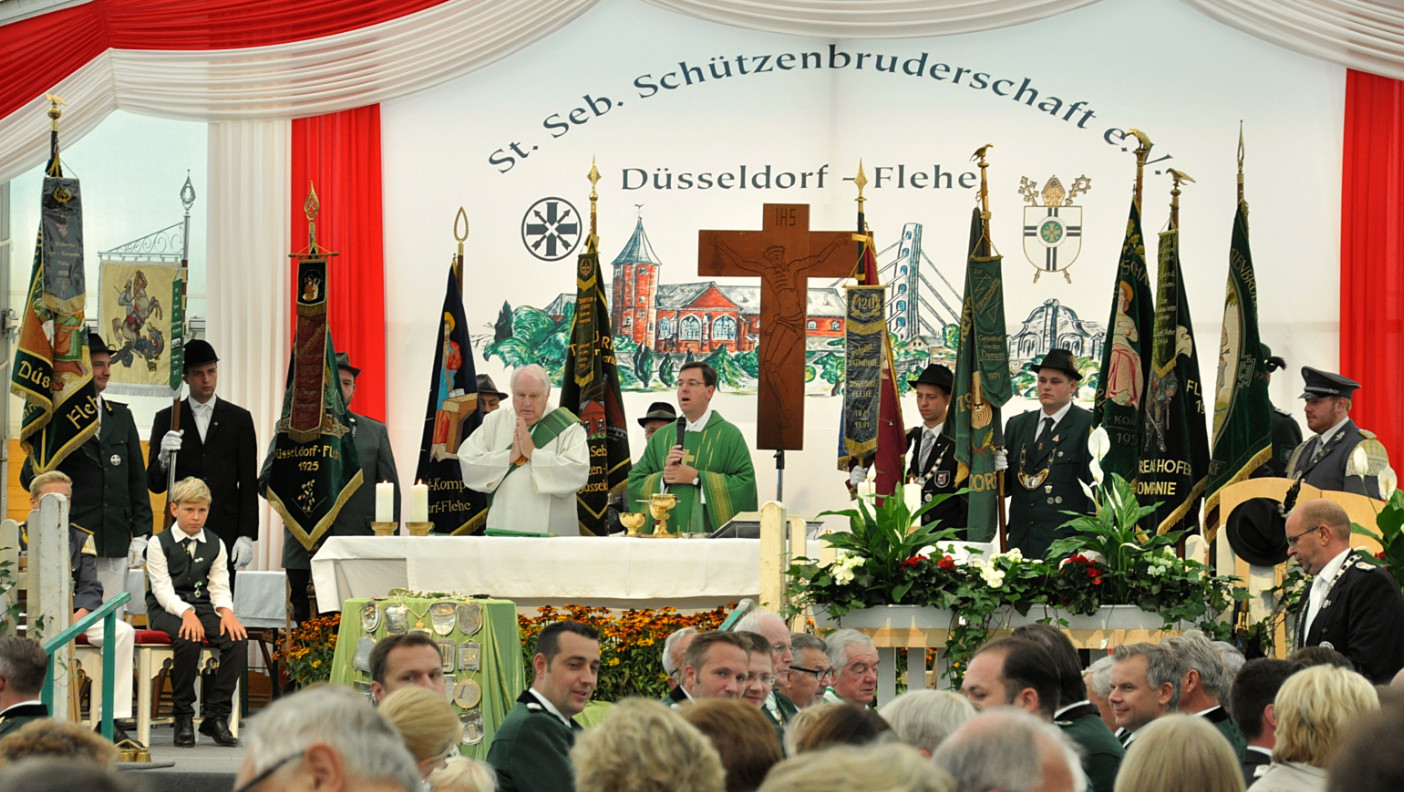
{"type": "Point", "coordinates": [590, 389]}
{"type": "Point", "coordinates": [1175, 446]}
{"type": "Point", "coordinates": [52, 371]}
{"type": "Point", "coordinates": [1242, 410]}
{"type": "Point", "coordinates": [982, 383]}
{"type": "Point", "coordinates": [176, 340]}
{"type": "Point", "coordinates": [865, 332]}
{"type": "Point", "coordinates": [1120, 405]}
{"type": "Point", "coordinates": [315, 466]}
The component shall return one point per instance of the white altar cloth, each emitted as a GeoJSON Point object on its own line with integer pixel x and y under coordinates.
{"type": "Point", "coordinates": [610, 572]}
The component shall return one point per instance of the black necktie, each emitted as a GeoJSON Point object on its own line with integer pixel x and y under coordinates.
{"type": "Point", "coordinates": [189, 546]}
{"type": "Point", "coordinates": [1047, 430]}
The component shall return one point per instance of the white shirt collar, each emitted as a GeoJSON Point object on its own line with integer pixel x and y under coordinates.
{"type": "Point", "coordinates": [700, 423]}
{"type": "Point", "coordinates": [28, 703]}
{"type": "Point", "coordinates": [1057, 416]}
{"type": "Point", "coordinates": [1331, 567]}
{"type": "Point", "coordinates": [181, 535]}
{"type": "Point", "coordinates": [934, 429]}
{"type": "Point", "coordinates": [1330, 433]}
{"type": "Point", "coordinates": [209, 405]}
{"type": "Point", "coordinates": [549, 707]}
{"type": "Point", "coordinates": [1204, 713]}
{"type": "Point", "coordinates": [1073, 705]}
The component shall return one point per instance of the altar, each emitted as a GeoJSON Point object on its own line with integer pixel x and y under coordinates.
{"type": "Point", "coordinates": [614, 572]}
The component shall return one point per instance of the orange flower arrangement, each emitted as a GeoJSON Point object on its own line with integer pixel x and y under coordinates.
{"type": "Point", "coordinates": [307, 651]}
{"type": "Point", "coordinates": [631, 643]}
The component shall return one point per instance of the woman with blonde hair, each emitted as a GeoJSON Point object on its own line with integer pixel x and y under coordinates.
{"type": "Point", "coordinates": [1180, 753]}
{"type": "Point", "coordinates": [1313, 708]}
{"type": "Point", "coordinates": [642, 746]}
{"type": "Point", "coordinates": [427, 723]}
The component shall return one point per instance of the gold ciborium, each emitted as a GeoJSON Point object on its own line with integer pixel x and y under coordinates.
{"type": "Point", "coordinates": [659, 504]}
{"type": "Point", "coordinates": [632, 521]}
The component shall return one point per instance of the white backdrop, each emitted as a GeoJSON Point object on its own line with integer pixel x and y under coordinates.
{"type": "Point", "coordinates": [1151, 64]}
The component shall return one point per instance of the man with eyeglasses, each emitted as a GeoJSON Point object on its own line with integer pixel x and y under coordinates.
{"type": "Point", "coordinates": [1353, 606]}
{"type": "Point", "coordinates": [855, 660]}
{"type": "Point", "coordinates": [707, 466]}
{"type": "Point", "coordinates": [809, 674]}
{"type": "Point", "coordinates": [776, 633]}
{"type": "Point", "coordinates": [328, 737]}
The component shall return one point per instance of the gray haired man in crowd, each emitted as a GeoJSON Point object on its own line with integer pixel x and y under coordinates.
{"type": "Point", "coordinates": [1145, 685]}
{"type": "Point", "coordinates": [778, 707]}
{"type": "Point", "coordinates": [854, 658]}
{"type": "Point", "coordinates": [1011, 751]}
{"type": "Point", "coordinates": [1205, 684]}
{"type": "Point", "coordinates": [327, 738]}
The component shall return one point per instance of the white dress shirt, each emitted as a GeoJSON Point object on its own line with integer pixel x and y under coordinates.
{"type": "Point", "coordinates": [203, 413]}
{"type": "Point", "coordinates": [159, 572]}
{"type": "Point", "coordinates": [1318, 587]}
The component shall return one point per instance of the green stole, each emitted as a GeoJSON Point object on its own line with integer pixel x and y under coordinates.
{"type": "Point", "coordinates": [547, 429]}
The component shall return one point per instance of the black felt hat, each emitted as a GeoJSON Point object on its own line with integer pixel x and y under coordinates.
{"type": "Point", "coordinates": [486, 385]}
{"type": "Point", "coordinates": [1324, 383]}
{"type": "Point", "coordinates": [1271, 361]}
{"type": "Point", "coordinates": [96, 346]}
{"type": "Point", "coordinates": [1257, 532]}
{"type": "Point", "coordinates": [935, 374]}
{"type": "Point", "coordinates": [658, 411]}
{"type": "Point", "coordinates": [1058, 360]}
{"type": "Point", "coordinates": [343, 361]}
{"type": "Point", "coordinates": [199, 352]}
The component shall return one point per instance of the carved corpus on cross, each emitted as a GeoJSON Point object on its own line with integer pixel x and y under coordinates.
{"type": "Point", "coordinates": [784, 254]}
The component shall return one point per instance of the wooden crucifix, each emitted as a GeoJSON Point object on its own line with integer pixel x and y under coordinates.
{"type": "Point", "coordinates": [784, 254]}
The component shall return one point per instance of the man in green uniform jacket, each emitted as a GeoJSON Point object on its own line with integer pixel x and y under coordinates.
{"type": "Point", "coordinates": [709, 469]}
{"type": "Point", "coordinates": [26, 664]}
{"type": "Point", "coordinates": [1046, 457]}
{"type": "Point", "coordinates": [1205, 684]}
{"type": "Point", "coordinates": [531, 750]}
{"type": "Point", "coordinates": [110, 499]}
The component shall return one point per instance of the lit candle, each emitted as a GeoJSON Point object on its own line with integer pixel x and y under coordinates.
{"type": "Point", "coordinates": [384, 502]}
{"type": "Point", "coordinates": [419, 502]}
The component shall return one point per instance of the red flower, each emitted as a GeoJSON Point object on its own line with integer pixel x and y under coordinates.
{"type": "Point", "coordinates": [947, 563]}
{"type": "Point", "coordinates": [914, 561]}
{"type": "Point", "coordinates": [1095, 574]}
{"type": "Point", "coordinates": [1380, 555]}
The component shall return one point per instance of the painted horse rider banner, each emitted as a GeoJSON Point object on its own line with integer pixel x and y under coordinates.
{"type": "Point", "coordinates": [135, 318]}
{"type": "Point", "coordinates": [697, 125]}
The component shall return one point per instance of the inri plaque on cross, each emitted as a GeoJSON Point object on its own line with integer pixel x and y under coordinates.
{"type": "Point", "coordinates": [783, 254]}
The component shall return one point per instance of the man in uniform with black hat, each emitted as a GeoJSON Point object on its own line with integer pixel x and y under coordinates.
{"type": "Point", "coordinates": [1327, 461]}
{"type": "Point", "coordinates": [1286, 434]}
{"type": "Point", "coordinates": [109, 483]}
{"type": "Point", "coordinates": [354, 519]}
{"type": "Point", "coordinates": [217, 444]}
{"type": "Point", "coordinates": [1046, 456]}
{"type": "Point", "coordinates": [489, 397]}
{"type": "Point", "coordinates": [659, 414]}
{"type": "Point", "coordinates": [932, 463]}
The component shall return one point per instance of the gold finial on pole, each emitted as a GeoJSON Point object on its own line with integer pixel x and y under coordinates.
{"type": "Point", "coordinates": [1177, 177]}
{"type": "Point", "coordinates": [861, 180]}
{"type": "Point", "coordinates": [594, 177]}
{"type": "Point", "coordinates": [1142, 152]}
{"type": "Point", "coordinates": [461, 236]}
{"type": "Point", "coordinates": [311, 207]}
{"type": "Point", "coordinates": [979, 159]}
{"type": "Point", "coordinates": [1240, 159]}
{"type": "Point", "coordinates": [54, 111]}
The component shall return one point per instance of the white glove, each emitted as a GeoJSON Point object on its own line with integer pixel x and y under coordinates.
{"type": "Point", "coordinates": [857, 475]}
{"type": "Point", "coordinates": [170, 444]}
{"type": "Point", "coordinates": [242, 554]}
{"type": "Point", "coordinates": [1001, 460]}
{"type": "Point", "coordinates": [136, 552]}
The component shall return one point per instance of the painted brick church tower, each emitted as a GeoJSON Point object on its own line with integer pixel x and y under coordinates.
{"type": "Point", "coordinates": [633, 299]}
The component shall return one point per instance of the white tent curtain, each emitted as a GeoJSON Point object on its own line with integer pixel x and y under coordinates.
{"type": "Point", "coordinates": [456, 37]}
{"type": "Point", "coordinates": [1365, 35]}
{"type": "Point", "coordinates": [247, 248]}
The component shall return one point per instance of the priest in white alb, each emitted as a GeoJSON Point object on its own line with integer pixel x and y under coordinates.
{"type": "Point", "coordinates": [528, 461]}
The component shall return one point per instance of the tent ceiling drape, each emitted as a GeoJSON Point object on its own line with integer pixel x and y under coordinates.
{"type": "Point", "coordinates": [218, 60]}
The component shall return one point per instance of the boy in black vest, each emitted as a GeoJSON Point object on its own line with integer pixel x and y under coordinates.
{"type": "Point", "coordinates": [190, 601]}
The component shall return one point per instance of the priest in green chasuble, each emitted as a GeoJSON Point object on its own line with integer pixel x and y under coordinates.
{"type": "Point", "coordinates": [709, 470]}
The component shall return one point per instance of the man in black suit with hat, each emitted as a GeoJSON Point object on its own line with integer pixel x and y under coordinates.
{"type": "Point", "coordinates": [110, 500]}
{"type": "Point", "coordinates": [217, 444]}
{"type": "Point", "coordinates": [1327, 461]}
{"type": "Point", "coordinates": [489, 397]}
{"type": "Point", "coordinates": [931, 461]}
{"type": "Point", "coordinates": [1045, 457]}
{"type": "Point", "coordinates": [659, 414]}
{"type": "Point", "coordinates": [1286, 434]}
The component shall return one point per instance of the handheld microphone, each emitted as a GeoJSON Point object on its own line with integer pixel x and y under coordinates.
{"type": "Point", "coordinates": [682, 427]}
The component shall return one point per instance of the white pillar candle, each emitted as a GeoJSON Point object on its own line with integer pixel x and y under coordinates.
{"type": "Point", "coordinates": [419, 503]}
{"type": "Point", "coordinates": [384, 502]}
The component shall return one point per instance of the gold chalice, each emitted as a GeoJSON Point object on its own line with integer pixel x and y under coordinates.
{"type": "Point", "coordinates": [659, 504]}
{"type": "Point", "coordinates": [632, 521]}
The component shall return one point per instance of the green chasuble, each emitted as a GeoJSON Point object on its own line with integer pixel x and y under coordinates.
{"type": "Point", "coordinates": [727, 480]}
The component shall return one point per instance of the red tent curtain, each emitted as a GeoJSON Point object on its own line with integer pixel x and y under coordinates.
{"type": "Point", "coordinates": [36, 53]}
{"type": "Point", "coordinates": [1372, 255]}
{"type": "Point", "coordinates": [339, 154]}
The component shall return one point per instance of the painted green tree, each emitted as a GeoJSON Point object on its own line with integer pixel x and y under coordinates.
{"type": "Point", "coordinates": [536, 338]}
